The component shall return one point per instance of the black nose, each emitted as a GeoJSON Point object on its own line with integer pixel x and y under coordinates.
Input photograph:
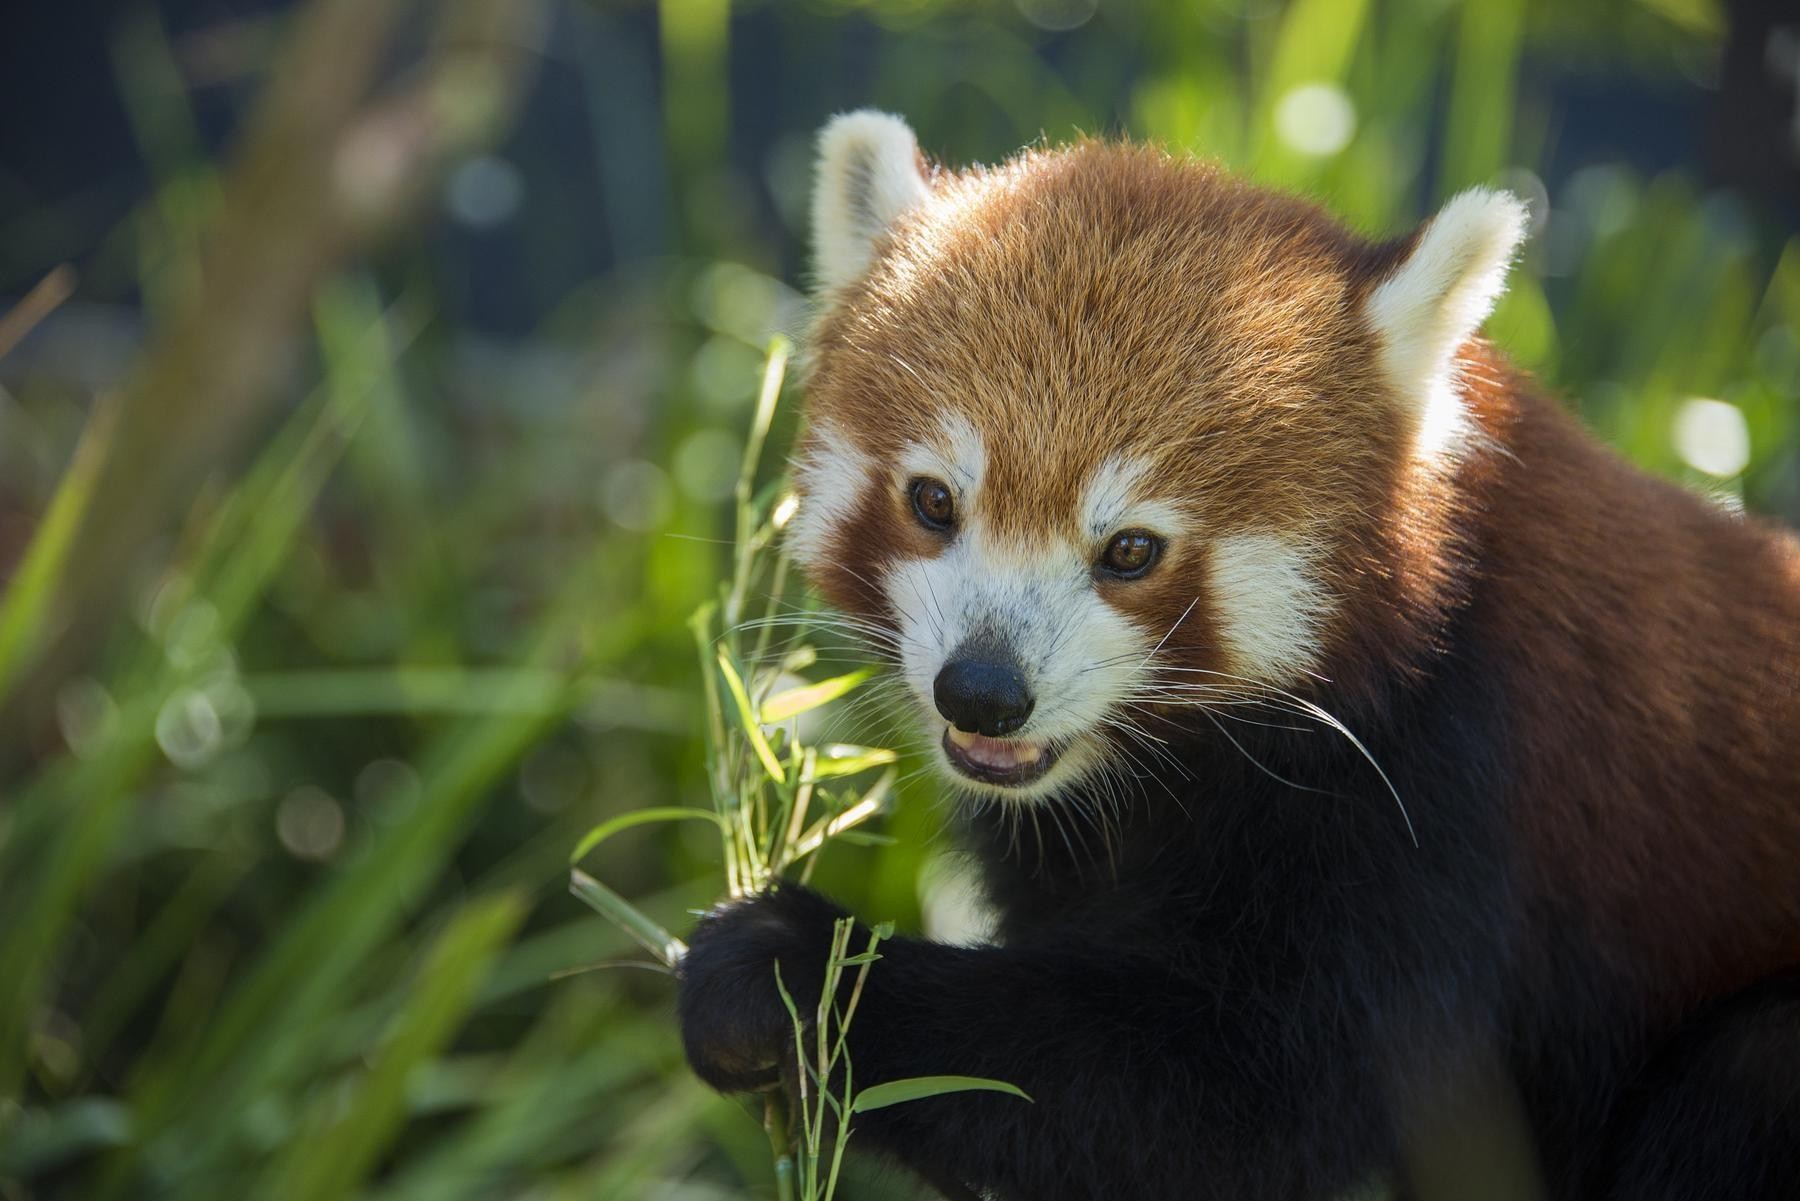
{"type": "Point", "coordinates": [981, 696]}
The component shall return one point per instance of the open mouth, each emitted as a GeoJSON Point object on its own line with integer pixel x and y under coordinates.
{"type": "Point", "coordinates": [1005, 761]}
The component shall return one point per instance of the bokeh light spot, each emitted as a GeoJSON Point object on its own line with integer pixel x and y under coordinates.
{"type": "Point", "coordinates": [635, 495]}
{"type": "Point", "coordinates": [1604, 198]}
{"type": "Point", "coordinates": [1712, 436]}
{"type": "Point", "coordinates": [387, 790]}
{"type": "Point", "coordinates": [310, 823]}
{"type": "Point", "coordinates": [1316, 118]}
{"type": "Point", "coordinates": [725, 372]}
{"type": "Point", "coordinates": [553, 777]}
{"type": "Point", "coordinates": [484, 192]}
{"type": "Point", "coordinates": [730, 298]}
{"type": "Point", "coordinates": [1057, 15]}
{"type": "Point", "coordinates": [86, 715]}
{"type": "Point", "coordinates": [192, 635]}
{"type": "Point", "coordinates": [706, 464]}
{"type": "Point", "coordinates": [188, 729]}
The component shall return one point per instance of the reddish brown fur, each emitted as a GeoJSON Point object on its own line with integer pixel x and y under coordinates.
{"type": "Point", "coordinates": [1656, 694]}
{"type": "Point", "coordinates": [1257, 398]}
{"type": "Point", "coordinates": [1103, 298]}
{"type": "Point", "coordinates": [1252, 983]}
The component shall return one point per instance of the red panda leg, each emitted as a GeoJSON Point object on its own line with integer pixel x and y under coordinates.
{"type": "Point", "coordinates": [1717, 1113]}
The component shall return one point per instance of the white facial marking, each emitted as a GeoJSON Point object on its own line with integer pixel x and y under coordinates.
{"type": "Point", "coordinates": [957, 457]}
{"type": "Point", "coordinates": [1078, 654]}
{"type": "Point", "coordinates": [1111, 501]}
{"type": "Point", "coordinates": [867, 178]}
{"type": "Point", "coordinates": [1033, 597]}
{"type": "Point", "coordinates": [832, 475]}
{"type": "Point", "coordinates": [1270, 608]}
{"type": "Point", "coordinates": [1437, 299]}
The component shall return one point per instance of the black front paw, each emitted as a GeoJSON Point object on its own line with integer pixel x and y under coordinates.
{"type": "Point", "coordinates": [736, 1030]}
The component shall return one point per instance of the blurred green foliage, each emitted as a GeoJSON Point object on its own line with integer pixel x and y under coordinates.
{"type": "Point", "coordinates": [283, 883]}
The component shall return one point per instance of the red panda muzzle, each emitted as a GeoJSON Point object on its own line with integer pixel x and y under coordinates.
{"type": "Point", "coordinates": [980, 694]}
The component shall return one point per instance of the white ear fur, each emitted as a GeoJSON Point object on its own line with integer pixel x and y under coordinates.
{"type": "Point", "coordinates": [1442, 293]}
{"type": "Point", "coordinates": [868, 176]}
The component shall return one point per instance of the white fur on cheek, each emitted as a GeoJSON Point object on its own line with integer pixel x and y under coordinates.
{"type": "Point", "coordinates": [831, 475]}
{"type": "Point", "coordinates": [1438, 298]}
{"type": "Point", "coordinates": [1270, 608]}
{"type": "Point", "coordinates": [868, 177]}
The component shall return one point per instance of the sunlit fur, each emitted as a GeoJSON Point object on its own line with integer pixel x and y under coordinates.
{"type": "Point", "coordinates": [869, 161]}
{"type": "Point", "coordinates": [836, 471]}
{"type": "Point", "coordinates": [1001, 340]}
{"type": "Point", "coordinates": [1269, 607]}
{"type": "Point", "coordinates": [1035, 598]}
{"type": "Point", "coordinates": [1445, 764]}
{"type": "Point", "coordinates": [1428, 307]}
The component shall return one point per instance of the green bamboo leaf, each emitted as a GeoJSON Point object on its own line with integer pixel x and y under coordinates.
{"type": "Point", "coordinates": [840, 759]}
{"type": "Point", "coordinates": [826, 828]}
{"type": "Point", "coordinates": [859, 959]}
{"type": "Point", "coordinates": [915, 1088]}
{"type": "Point", "coordinates": [795, 701]}
{"type": "Point", "coordinates": [628, 917]}
{"type": "Point", "coordinates": [864, 838]}
{"type": "Point", "coordinates": [638, 817]}
{"type": "Point", "coordinates": [734, 683]}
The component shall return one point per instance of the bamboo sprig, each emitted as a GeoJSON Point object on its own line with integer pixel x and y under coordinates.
{"type": "Point", "coordinates": [771, 814]}
{"type": "Point", "coordinates": [775, 816]}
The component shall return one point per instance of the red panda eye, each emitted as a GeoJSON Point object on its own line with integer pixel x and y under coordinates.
{"type": "Point", "coordinates": [1130, 554]}
{"type": "Point", "coordinates": [933, 504]}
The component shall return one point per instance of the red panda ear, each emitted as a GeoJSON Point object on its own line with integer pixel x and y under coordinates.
{"type": "Point", "coordinates": [869, 174]}
{"type": "Point", "coordinates": [1437, 298]}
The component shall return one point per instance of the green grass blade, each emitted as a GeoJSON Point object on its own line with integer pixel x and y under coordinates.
{"type": "Point", "coordinates": [349, 691]}
{"type": "Point", "coordinates": [158, 946]}
{"type": "Point", "coordinates": [1483, 79]}
{"type": "Point", "coordinates": [825, 829]}
{"type": "Point", "coordinates": [30, 594]}
{"type": "Point", "coordinates": [38, 1140]}
{"type": "Point", "coordinates": [322, 946]}
{"type": "Point", "coordinates": [247, 543]}
{"type": "Point", "coordinates": [639, 817]}
{"type": "Point", "coordinates": [574, 1072]}
{"type": "Point", "coordinates": [330, 1160]}
{"type": "Point", "coordinates": [1315, 44]}
{"type": "Point", "coordinates": [915, 1088]}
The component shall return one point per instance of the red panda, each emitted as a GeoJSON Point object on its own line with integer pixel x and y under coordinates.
{"type": "Point", "coordinates": [1384, 736]}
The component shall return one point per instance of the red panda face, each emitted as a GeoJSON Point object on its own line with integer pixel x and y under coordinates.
{"type": "Point", "coordinates": [1103, 440]}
